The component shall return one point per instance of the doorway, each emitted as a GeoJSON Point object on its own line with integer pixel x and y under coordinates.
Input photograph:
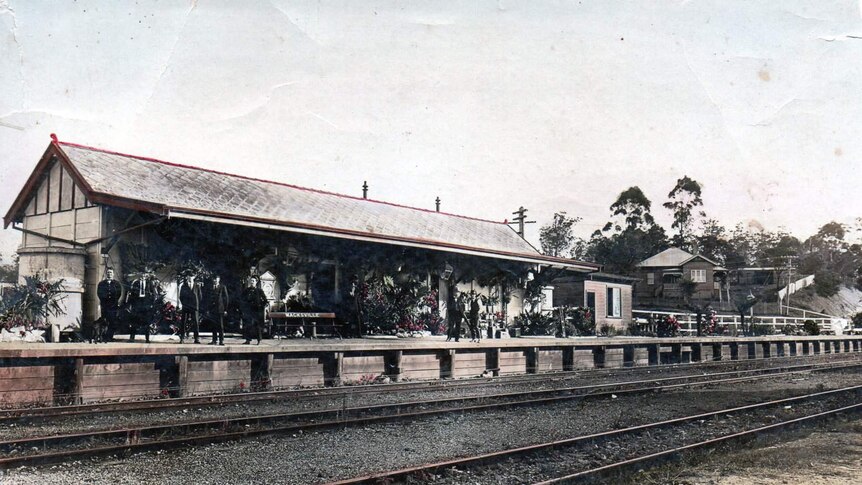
{"type": "Point", "coordinates": [591, 304]}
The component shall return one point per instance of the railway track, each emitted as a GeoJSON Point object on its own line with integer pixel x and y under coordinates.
{"type": "Point", "coordinates": [60, 447]}
{"type": "Point", "coordinates": [611, 454]}
{"type": "Point", "coordinates": [336, 393]}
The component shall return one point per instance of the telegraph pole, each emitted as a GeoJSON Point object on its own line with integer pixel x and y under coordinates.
{"type": "Point", "coordinates": [788, 265]}
{"type": "Point", "coordinates": [521, 220]}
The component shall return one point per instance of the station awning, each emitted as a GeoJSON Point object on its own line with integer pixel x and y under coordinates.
{"type": "Point", "coordinates": [542, 260]}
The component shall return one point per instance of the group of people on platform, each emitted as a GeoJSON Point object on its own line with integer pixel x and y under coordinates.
{"type": "Point", "coordinates": [206, 303]}
{"type": "Point", "coordinates": [456, 313]}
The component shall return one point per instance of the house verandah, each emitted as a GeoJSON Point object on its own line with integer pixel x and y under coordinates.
{"type": "Point", "coordinates": [663, 277]}
{"type": "Point", "coordinates": [85, 209]}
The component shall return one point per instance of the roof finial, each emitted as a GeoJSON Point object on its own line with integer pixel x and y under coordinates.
{"type": "Point", "coordinates": [437, 201]}
{"type": "Point", "coordinates": [54, 138]}
{"type": "Point", "coordinates": [365, 189]}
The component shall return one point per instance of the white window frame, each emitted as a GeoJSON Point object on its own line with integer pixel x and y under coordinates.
{"type": "Point", "coordinates": [616, 302]}
{"type": "Point", "coordinates": [650, 279]}
{"type": "Point", "coordinates": [698, 275]}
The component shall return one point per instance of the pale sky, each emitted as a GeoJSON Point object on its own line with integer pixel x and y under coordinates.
{"type": "Point", "coordinates": [488, 105]}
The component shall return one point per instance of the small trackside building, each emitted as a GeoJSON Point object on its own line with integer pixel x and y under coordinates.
{"type": "Point", "coordinates": [608, 296]}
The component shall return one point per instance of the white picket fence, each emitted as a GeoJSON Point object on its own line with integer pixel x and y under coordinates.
{"type": "Point", "coordinates": [688, 321]}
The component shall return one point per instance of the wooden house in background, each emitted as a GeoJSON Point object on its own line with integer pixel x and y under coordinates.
{"type": "Point", "coordinates": [660, 278]}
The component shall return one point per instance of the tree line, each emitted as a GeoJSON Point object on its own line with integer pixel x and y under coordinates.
{"type": "Point", "coordinates": [632, 235]}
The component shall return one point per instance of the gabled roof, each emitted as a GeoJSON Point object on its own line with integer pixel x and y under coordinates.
{"type": "Point", "coordinates": [673, 257]}
{"type": "Point", "coordinates": [175, 190]}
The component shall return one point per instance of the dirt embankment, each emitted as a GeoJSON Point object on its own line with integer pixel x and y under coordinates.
{"type": "Point", "coordinates": [846, 303]}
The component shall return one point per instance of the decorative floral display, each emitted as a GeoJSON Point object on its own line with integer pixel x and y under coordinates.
{"type": "Point", "coordinates": [409, 308]}
{"type": "Point", "coordinates": [711, 323]}
{"type": "Point", "coordinates": [668, 326]}
{"type": "Point", "coordinates": [169, 318]}
{"type": "Point", "coordinates": [424, 316]}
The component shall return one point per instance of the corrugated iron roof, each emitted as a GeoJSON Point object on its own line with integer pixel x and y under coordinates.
{"type": "Point", "coordinates": [673, 257]}
{"type": "Point", "coordinates": [668, 257]}
{"type": "Point", "coordinates": [172, 187]}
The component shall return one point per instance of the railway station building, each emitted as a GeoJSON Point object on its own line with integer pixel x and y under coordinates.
{"type": "Point", "coordinates": [85, 209]}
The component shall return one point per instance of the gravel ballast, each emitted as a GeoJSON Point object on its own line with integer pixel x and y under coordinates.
{"type": "Point", "coordinates": [327, 455]}
{"type": "Point", "coordinates": [121, 420]}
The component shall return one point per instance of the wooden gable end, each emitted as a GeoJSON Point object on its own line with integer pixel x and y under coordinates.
{"type": "Point", "coordinates": [54, 209]}
{"type": "Point", "coordinates": [54, 186]}
{"type": "Point", "coordinates": [56, 192]}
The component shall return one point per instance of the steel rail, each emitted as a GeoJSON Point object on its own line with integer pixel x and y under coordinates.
{"type": "Point", "coordinates": [393, 475]}
{"type": "Point", "coordinates": [320, 419]}
{"type": "Point", "coordinates": [567, 393]}
{"type": "Point", "coordinates": [620, 466]}
{"type": "Point", "coordinates": [312, 393]}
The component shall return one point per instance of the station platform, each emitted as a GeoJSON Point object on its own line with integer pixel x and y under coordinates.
{"type": "Point", "coordinates": [40, 373]}
{"type": "Point", "coordinates": [170, 345]}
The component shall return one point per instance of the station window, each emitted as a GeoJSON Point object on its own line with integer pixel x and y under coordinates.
{"type": "Point", "coordinates": [614, 303]}
{"type": "Point", "coordinates": [650, 279]}
{"type": "Point", "coordinates": [698, 275]}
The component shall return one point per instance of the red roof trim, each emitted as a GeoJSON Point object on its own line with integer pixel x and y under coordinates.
{"type": "Point", "coordinates": [298, 187]}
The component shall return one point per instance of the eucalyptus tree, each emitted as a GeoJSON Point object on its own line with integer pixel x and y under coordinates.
{"type": "Point", "coordinates": [685, 198]}
{"type": "Point", "coordinates": [557, 238]}
{"type": "Point", "coordinates": [630, 237]}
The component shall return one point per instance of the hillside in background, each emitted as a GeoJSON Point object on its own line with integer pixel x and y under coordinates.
{"type": "Point", "coordinates": [846, 303]}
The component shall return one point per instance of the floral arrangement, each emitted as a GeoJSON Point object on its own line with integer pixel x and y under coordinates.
{"type": "Point", "coordinates": [404, 309]}
{"type": "Point", "coordinates": [377, 306]}
{"type": "Point", "coordinates": [668, 326]}
{"type": "Point", "coordinates": [711, 322]}
{"type": "Point", "coordinates": [170, 318]}
{"type": "Point", "coordinates": [428, 317]}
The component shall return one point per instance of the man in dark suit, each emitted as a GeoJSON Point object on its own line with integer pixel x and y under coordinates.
{"type": "Point", "coordinates": [473, 318]}
{"type": "Point", "coordinates": [214, 302]}
{"type": "Point", "coordinates": [253, 304]}
{"type": "Point", "coordinates": [141, 303]}
{"type": "Point", "coordinates": [110, 293]}
{"type": "Point", "coordinates": [454, 314]}
{"type": "Point", "coordinates": [190, 299]}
